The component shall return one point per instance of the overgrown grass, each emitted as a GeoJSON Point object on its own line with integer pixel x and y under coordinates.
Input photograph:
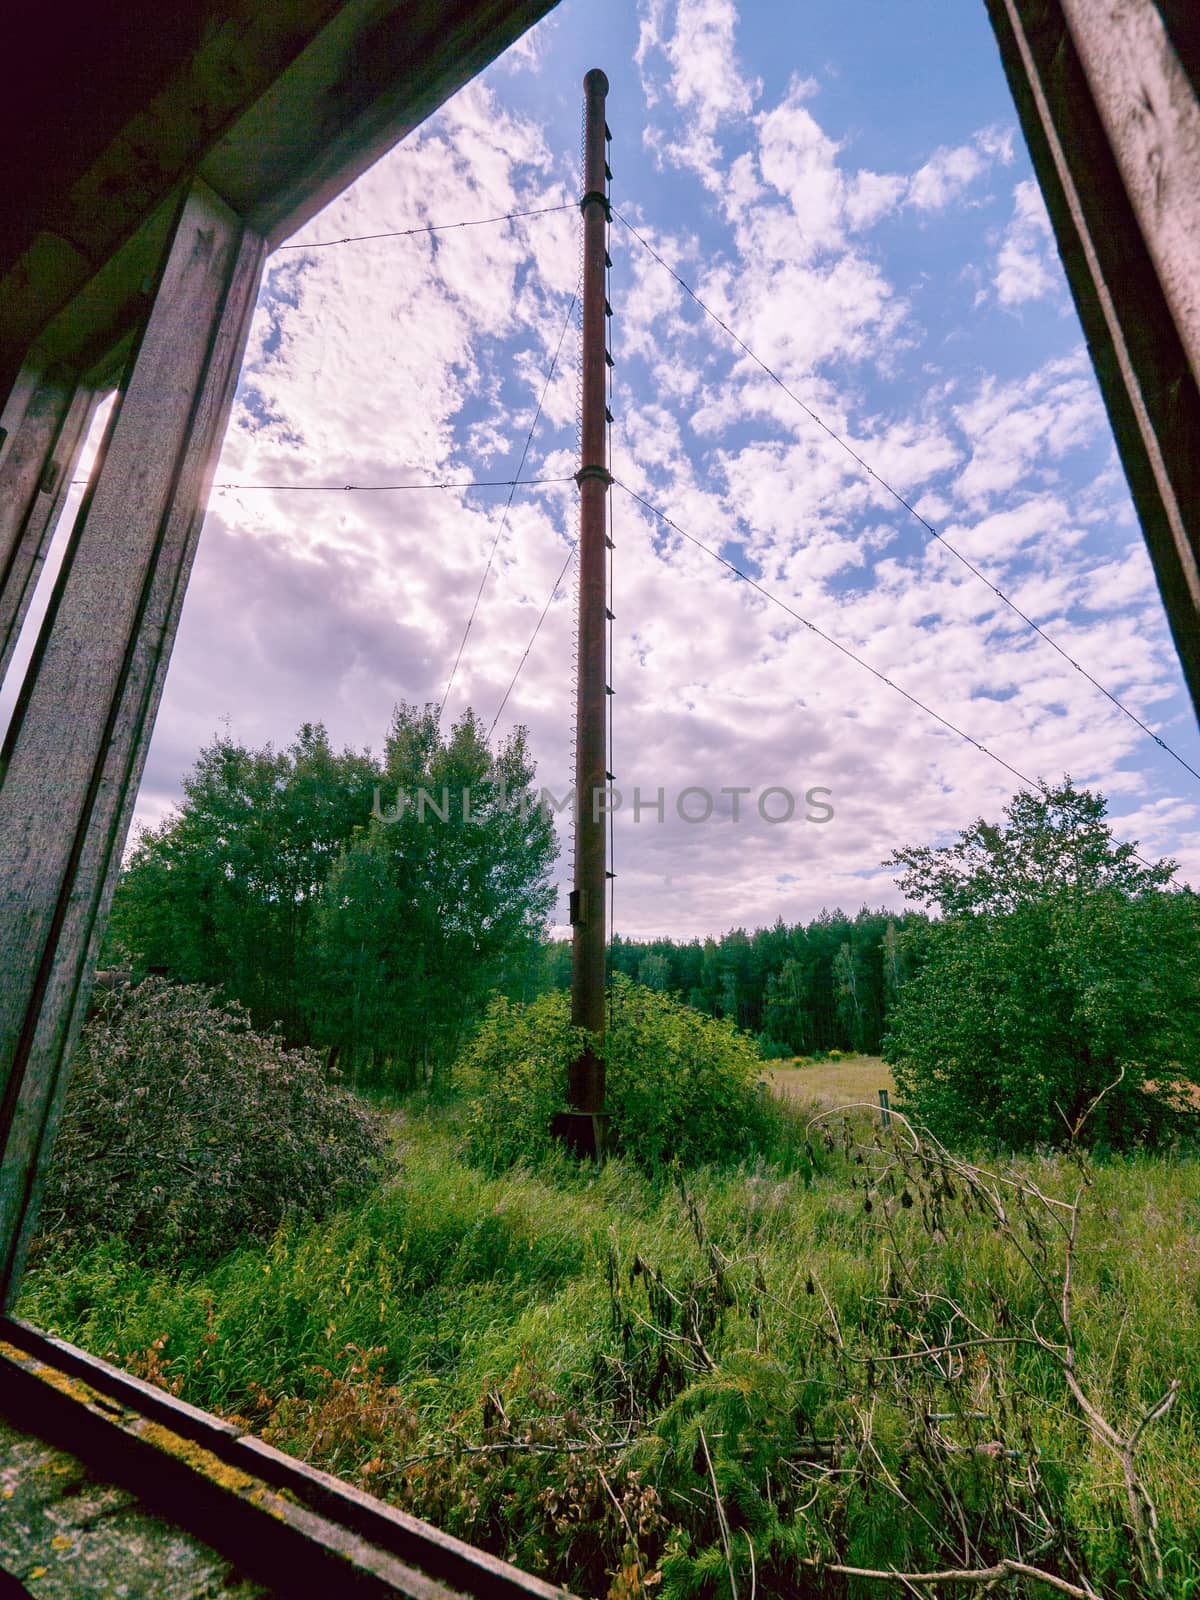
{"type": "Point", "coordinates": [479, 1348]}
{"type": "Point", "coordinates": [831, 1083]}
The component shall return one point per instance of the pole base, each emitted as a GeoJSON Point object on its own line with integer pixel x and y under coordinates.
{"type": "Point", "coordinates": [585, 1133]}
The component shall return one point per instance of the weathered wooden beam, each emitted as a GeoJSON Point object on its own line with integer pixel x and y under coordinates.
{"type": "Point", "coordinates": [90, 1537]}
{"type": "Point", "coordinates": [74, 754]}
{"type": "Point", "coordinates": [1151, 115]}
{"type": "Point", "coordinates": [372, 76]}
{"type": "Point", "coordinates": [287, 1524]}
{"type": "Point", "coordinates": [277, 107]}
{"type": "Point", "coordinates": [1109, 108]}
{"type": "Point", "coordinates": [35, 472]}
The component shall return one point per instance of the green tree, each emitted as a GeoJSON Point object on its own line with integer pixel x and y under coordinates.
{"type": "Point", "coordinates": [1062, 969]}
{"type": "Point", "coordinates": [681, 1086]}
{"type": "Point", "coordinates": [847, 975]}
{"type": "Point", "coordinates": [432, 901]}
{"type": "Point", "coordinates": [654, 972]}
{"type": "Point", "coordinates": [785, 1013]}
{"type": "Point", "coordinates": [1054, 842]}
{"type": "Point", "coordinates": [895, 963]}
{"type": "Point", "coordinates": [223, 891]}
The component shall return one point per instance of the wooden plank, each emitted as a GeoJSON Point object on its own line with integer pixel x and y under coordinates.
{"type": "Point", "coordinates": [35, 474]}
{"type": "Point", "coordinates": [24, 387]}
{"type": "Point", "coordinates": [1149, 387]}
{"type": "Point", "coordinates": [278, 107]}
{"type": "Point", "coordinates": [73, 758]}
{"type": "Point", "coordinates": [271, 1537]}
{"type": "Point", "coordinates": [66, 1532]}
{"type": "Point", "coordinates": [1151, 113]}
{"type": "Point", "coordinates": [371, 76]}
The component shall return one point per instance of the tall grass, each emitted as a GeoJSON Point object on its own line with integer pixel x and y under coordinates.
{"type": "Point", "coordinates": [857, 1078]}
{"type": "Point", "coordinates": [460, 1342]}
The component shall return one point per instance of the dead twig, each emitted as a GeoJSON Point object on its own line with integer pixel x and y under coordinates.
{"type": "Point", "coordinates": [979, 1575]}
{"type": "Point", "coordinates": [529, 1447]}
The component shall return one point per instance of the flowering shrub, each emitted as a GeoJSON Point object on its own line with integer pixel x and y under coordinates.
{"type": "Point", "coordinates": [185, 1132]}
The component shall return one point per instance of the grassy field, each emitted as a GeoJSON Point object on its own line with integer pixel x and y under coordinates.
{"type": "Point", "coordinates": [696, 1392]}
{"type": "Point", "coordinates": [832, 1083]}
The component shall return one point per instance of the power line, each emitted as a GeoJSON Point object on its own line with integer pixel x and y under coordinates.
{"type": "Point", "coordinates": [821, 634]}
{"type": "Point", "coordinates": [907, 504]}
{"type": "Point", "coordinates": [774, 599]}
{"type": "Point", "coordinates": [430, 227]}
{"type": "Point", "coordinates": [533, 636]}
{"type": "Point", "coordinates": [508, 505]}
{"type": "Point", "coordinates": [389, 488]}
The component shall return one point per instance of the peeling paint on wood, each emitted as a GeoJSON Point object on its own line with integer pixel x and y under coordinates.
{"type": "Point", "coordinates": [66, 1533]}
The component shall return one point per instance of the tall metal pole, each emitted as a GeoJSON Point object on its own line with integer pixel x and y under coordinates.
{"type": "Point", "coordinates": [583, 1125]}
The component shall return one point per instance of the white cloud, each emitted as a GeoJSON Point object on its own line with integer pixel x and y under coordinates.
{"type": "Point", "coordinates": [1116, 583]}
{"type": "Point", "coordinates": [998, 144]}
{"type": "Point", "coordinates": [423, 358]}
{"type": "Point", "coordinates": [1027, 426]}
{"type": "Point", "coordinates": [699, 44]}
{"type": "Point", "coordinates": [944, 176]}
{"type": "Point", "coordinates": [1026, 267]}
{"type": "Point", "coordinates": [799, 162]}
{"type": "Point", "coordinates": [697, 39]}
{"type": "Point", "coordinates": [952, 169]}
{"type": "Point", "coordinates": [871, 195]}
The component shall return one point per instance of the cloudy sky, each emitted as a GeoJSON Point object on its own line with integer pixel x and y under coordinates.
{"type": "Point", "coordinates": [844, 183]}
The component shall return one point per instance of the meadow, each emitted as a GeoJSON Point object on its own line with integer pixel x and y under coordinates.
{"type": "Point", "coordinates": [846, 1080]}
{"type": "Point", "coordinates": [795, 1377]}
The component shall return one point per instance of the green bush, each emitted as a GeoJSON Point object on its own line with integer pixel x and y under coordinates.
{"type": "Point", "coordinates": [772, 1049]}
{"type": "Point", "coordinates": [1015, 1023]}
{"type": "Point", "coordinates": [680, 1085]}
{"type": "Point", "coordinates": [186, 1132]}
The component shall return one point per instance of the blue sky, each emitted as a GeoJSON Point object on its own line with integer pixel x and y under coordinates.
{"type": "Point", "coordinates": [846, 185]}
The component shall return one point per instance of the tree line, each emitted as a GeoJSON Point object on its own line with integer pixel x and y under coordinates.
{"type": "Point", "coordinates": [800, 988]}
{"type": "Point", "coordinates": [1048, 991]}
{"type": "Point", "coordinates": [371, 905]}
{"type": "Point", "coordinates": [293, 880]}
